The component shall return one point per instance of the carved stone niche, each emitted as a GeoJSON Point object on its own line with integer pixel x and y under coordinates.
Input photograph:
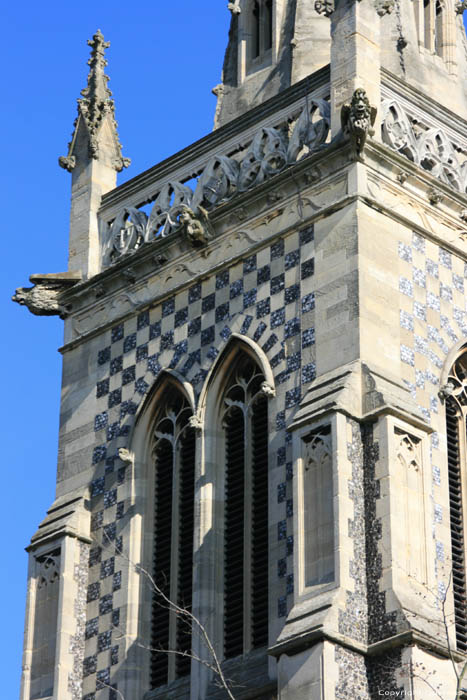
{"type": "Point", "coordinates": [43, 299]}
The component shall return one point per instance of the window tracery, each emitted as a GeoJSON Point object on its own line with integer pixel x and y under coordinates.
{"type": "Point", "coordinates": [173, 452]}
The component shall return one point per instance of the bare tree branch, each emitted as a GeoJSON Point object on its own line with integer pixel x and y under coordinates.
{"type": "Point", "coordinates": [192, 621]}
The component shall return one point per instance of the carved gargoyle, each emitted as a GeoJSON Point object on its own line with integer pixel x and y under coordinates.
{"type": "Point", "coordinates": [196, 226]}
{"type": "Point", "coordinates": [357, 118]}
{"type": "Point", "coordinates": [43, 299]}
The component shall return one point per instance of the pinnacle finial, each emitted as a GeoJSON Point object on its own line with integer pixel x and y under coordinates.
{"type": "Point", "coordinates": [93, 106]}
{"type": "Point", "coordinates": [97, 89]}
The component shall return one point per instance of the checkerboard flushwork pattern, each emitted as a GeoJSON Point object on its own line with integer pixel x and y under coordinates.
{"type": "Point", "coordinates": [433, 320]}
{"type": "Point", "coordinates": [268, 297]}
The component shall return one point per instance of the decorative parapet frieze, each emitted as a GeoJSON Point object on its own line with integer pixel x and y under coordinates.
{"type": "Point", "coordinates": [43, 299]}
{"type": "Point", "coordinates": [427, 146]}
{"type": "Point", "coordinates": [178, 206]}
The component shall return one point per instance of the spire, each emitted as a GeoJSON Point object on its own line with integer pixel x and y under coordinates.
{"type": "Point", "coordinates": [95, 107]}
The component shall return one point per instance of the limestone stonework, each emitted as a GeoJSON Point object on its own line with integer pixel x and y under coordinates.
{"type": "Point", "coordinates": [290, 325]}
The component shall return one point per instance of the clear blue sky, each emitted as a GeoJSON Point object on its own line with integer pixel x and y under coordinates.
{"type": "Point", "coordinates": [163, 61]}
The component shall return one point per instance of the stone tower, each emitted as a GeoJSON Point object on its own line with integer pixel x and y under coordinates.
{"type": "Point", "coordinates": [262, 474]}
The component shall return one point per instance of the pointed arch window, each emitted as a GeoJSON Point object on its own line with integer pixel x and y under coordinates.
{"type": "Point", "coordinates": [245, 423]}
{"type": "Point", "coordinates": [259, 31]}
{"type": "Point", "coordinates": [431, 19]}
{"type": "Point", "coordinates": [173, 451]}
{"type": "Point", "coordinates": [456, 424]}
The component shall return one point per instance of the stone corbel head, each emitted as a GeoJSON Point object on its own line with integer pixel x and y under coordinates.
{"type": "Point", "coordinates": [196, 226]}
{"type": "Point", "coordinates": [268, 390]}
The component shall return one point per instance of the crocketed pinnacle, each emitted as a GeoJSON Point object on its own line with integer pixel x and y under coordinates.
{"type": "Point", "coordinates": [96, 102]}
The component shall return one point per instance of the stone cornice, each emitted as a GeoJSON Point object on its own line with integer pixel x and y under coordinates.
{"type": "Point", "coordinates": [307, 639]}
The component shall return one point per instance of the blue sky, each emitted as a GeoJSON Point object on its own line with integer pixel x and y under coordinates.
{"type": "Point", "coordinates": [163, 61]}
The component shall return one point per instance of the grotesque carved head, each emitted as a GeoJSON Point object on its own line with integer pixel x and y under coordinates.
{"type": "Point", "coordinates": [360, 105]}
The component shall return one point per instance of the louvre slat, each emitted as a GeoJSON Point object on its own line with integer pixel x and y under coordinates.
{"type": "Point", "coordinates": [186, 532]}
{"type": "Point", "coordinates": [162, 541]}
{"type": "Point", "coordinates": [234, 534]}
{"type": "Point", "coordinates": [259, 530]}
{"type": "Point", "coordinates": [457, 521]}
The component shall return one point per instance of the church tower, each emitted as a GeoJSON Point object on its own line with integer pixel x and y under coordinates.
{"type": "Point", "coordinates": [262, 472]}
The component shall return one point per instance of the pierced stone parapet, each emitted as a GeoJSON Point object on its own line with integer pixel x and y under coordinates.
{"type": "Point", "coordinates": [425, 145]}
{"type": "Point", "coordinates": [179, 206]}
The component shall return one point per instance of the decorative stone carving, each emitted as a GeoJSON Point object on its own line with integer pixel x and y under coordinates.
{"type": "Point", "coordinates": [99, 291]}
{"type": "Point", "coordinates": [310, 131]}
{"type": "Point", "coordinates": [266, 156]}
{"type": "Point", "coordinates": [463, 215]}
{"type": "Point", "coordinates": [93, 107]}
{"type": "Point", "coordinates": [176, 205]}
{"type": "Point", "coordinates": [195, 422]}
{"type": "Point", "coordinates": [165, 214]}
{"type": "Point", "coordinates": [234, 7]}
{"type": "Point", "coordinates": [384, 7]}
{"type": "Point", "coordinates": [49, 570]}
{"type": "Point", "coordinates": [402, 177]}
{"type": "Point", "coordinates": [455, 388]}
{"type": "Point", "coordinates": [130, 275]}
{"type": "Point", "coordinates": [197, 227]}
{"type": "Point", "coordinates": [324, 7]}
{"type": "Point", "coordinates": [461, 6]}
{"type": "Point", "coordinates": [67, 162]}
{"type": "Point", "coordinates": [446, 391]}
{"type": "Point", "coordinates": [43, 299]}
{"type": "Point", "coordinates": [428, 147]}
{"type": "Point", "coordinates": [125, 455]}
{"type": "Point", "coordinates": [408, 451]}
{"type": "Point", "coordinates": [357, 118]}
{"type": "Point", "coordinates": [435, 197]}
{"type": "Point", "coordinates": [268, 390]}
{"type": "Point", "coordinates": [218, 182]}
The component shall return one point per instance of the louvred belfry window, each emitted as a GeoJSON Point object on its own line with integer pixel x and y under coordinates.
{"type": "Point", "coordinates": [260, 28]}
{"type": "Point", "coordinates": [245, 422]}
{"type": "Point", "coordinates": [456, 413]}
{"type": "Point", "coordinates": [174, 464]}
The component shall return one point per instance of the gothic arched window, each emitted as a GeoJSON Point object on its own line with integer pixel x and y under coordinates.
{"type": "Point", "coordinates": [456, 414]}
{"type": "Point", "coordinates": [173, 451]}
{"type": "Point", "coordinates": [432, 25]}
{"type": "Point", "coordinates": [245, 433]}
{"type": "Point", "coordinates": [260, 29]}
